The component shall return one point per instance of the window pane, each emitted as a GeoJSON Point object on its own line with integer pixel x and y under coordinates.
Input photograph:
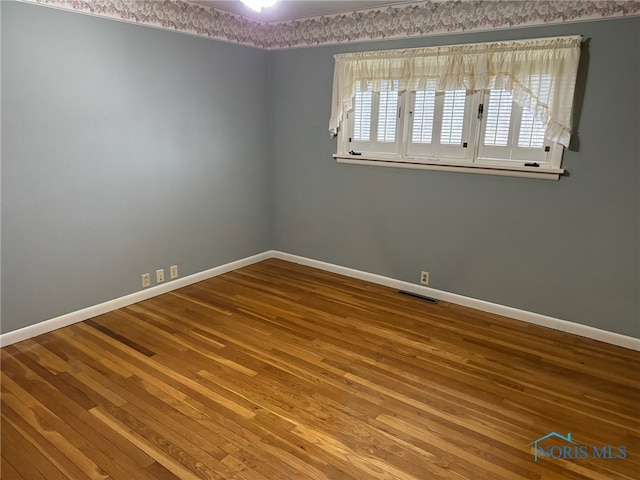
{"type": "Point", "coordinates": [362, 115]}
{"type": "Point", "coordinates": [498, 118]}
{"type": "Point", "coordinates": [453, 117]}
{"type": "Point", "coordinates": [423, 109]}
{"type": "Point", "coordinates": [532, 131]}
{"type": "Point", "coordinates": [387, 113]}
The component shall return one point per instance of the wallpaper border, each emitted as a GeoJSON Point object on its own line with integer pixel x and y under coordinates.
{"type": "Point", "coordinates": [405, 20]}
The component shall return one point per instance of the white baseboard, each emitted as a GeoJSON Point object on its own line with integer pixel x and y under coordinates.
{"type": "Point", "coordinates": [523, 315]}
{"type": "Point", "coordinates": [102, 308]}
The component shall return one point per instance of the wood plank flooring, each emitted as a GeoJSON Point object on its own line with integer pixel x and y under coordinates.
{"type": "Point", "coordinates": [279, 371]}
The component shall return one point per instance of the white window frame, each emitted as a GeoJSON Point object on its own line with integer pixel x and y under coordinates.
{"type": "Point", "coordinates": [513, 160]}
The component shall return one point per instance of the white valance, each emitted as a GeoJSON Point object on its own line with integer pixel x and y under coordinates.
{"type": "Point", "coordinates": [516, 66]}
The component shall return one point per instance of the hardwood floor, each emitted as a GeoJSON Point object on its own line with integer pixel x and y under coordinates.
{"type": "Point", "coordinates": [279, 371]}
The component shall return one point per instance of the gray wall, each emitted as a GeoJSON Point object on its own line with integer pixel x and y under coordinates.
{"type": "Point", "coordinates": [568, 249]}
{"type": "Point", "coordinates": [124, 150]}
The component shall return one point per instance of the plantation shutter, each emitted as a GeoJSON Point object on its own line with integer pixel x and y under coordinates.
{"type": "Point", "coordinates": [453, 117]}
{"type": "Point", "coordinates": [423, 110]}
{"type": "Point", "coordinates": [387, 114]}
{"type": "Point", "coordinates": [362, 115]}
{"type": "Point", "coordinates": [497, 130]}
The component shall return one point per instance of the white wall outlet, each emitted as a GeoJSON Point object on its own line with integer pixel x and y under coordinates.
{"type": "Point", "coordinates": [160, 275]}
{"type": "Point", "coordinates": [173, 271]}
{"type": "Point", "coordinates": [424, 278]}
{"type": "Point", "coordinates": [146, 280]}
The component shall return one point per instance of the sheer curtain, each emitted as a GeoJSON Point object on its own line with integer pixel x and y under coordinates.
{"type": "Point", "coordinates": [516, 66]}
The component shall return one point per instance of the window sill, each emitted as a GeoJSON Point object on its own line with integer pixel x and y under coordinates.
{"type": "Point", "coordinates": [507, 171]}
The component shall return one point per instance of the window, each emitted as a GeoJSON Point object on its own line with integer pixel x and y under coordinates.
{"type": "Point", "coordinates": [439, 122]}
{"type": "Point", "coordinates": [375, 118]}
{"type": "Point", "coordinates": [444, 108]}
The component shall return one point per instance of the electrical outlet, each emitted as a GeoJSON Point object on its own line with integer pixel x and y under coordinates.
{"type": "Point", "coordinates": [424, 278]}
{"type": "Point", "coordinates": [173, 271]}
{"type": "Point", "coordinates": [160, 275]}
{"type": "Point", "coordinates": [146, 280]}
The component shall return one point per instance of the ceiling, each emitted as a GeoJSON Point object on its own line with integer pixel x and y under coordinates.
{"type": "Point", "coordinates": [296, 9]}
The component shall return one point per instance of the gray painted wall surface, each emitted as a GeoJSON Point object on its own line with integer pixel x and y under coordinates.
{"type": "Point", "coordinates": [568, 249]}
{"type": "Point", "coordinates": [124, 150]}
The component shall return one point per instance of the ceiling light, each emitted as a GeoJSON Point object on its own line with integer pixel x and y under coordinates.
{"type": "Point", "coordinates": [258, 5]}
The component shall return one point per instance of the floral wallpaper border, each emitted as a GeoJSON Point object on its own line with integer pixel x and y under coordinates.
{"type": "Point", "coordinates": [405, 20]}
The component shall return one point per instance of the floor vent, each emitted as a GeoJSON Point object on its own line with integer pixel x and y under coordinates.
{"type": "Point", "coordinates": [421, 297]}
